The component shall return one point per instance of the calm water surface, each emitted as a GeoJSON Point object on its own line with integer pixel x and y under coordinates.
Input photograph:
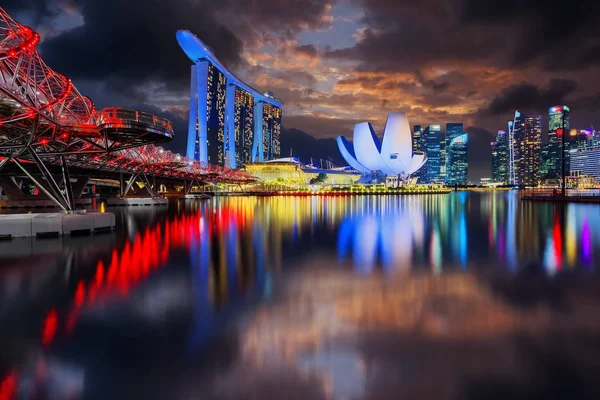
{"type": "Point", "coordinates": [466, 295]}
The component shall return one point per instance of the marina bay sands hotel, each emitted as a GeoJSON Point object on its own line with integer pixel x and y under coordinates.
{"type": "Point", "coordinates": [230, 123]}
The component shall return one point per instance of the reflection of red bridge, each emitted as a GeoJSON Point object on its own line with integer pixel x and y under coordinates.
{"type": "Point", "coordinates": [98, 279]}
{"type": "Point", "coordinates": [47, 124]}
{"type": "Point", "coordinates": [128, 267]}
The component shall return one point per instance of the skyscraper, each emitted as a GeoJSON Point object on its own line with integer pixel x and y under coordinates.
{"type": "Point", "coordinates": [433, 135]}
{"type": "Point", "coordinates": [511, 151]}
{"type": "Point", "coordinates": [419, 145]}
{"type": "Point", "coordinates": [500, 158]}
{"type": "Point", "coordinates": [526, 148]}
{"type": "Point", "coordinates": [457, 159]}
{"type": "Point", "coordinates": [271, 131]}
{"type": "Point", "coordinates": [230, 123]}
{"type": "Point", "coordinates": [553, 157]}
{"type": "Point", "coordinates": [244, 130]}
{"type": "Point", "coordinates": [586, 161]}
{"type": "Point", "coordinates": [215, 113]}
{"type": "Point", "coordinates": [443, 161]}
{"type": "Point", "coordinates": [458, 164]}
{"type": "Point", "coordinates": [545, 162]}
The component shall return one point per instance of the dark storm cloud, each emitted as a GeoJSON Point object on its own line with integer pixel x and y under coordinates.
{"type": "Point", "coordinates": [528, 96]}
{"type": "Point", "coordinates": [557, 34]}
{"type": "Point", "coordinates": [38, 10]}
{"type": "Point", "coordinates": [404, 35]}
{"type": "Point", "coordinates": [272, 18]}
{"type": "Point", "coordinates": [321, 127]}
{"type": "Point", "coordinates": [134, 41]}
{"type": "Point", "coordinates": [104, 97]}
{"type": "Point", "coordinates": [588, 103]}
{"type": "Point", "coordinates": [308, 50]}
{"type": "Point", "coordinates": [304, 146]}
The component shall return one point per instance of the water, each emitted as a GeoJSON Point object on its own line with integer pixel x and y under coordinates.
{"type": "Point", "coordinates": [466, 295]}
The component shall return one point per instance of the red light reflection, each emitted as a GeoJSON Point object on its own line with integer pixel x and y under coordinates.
{"type": "Point", "coordinates": [557, 236]}
{"type": "Point", "coordinates": [128, 267]}
{"type": "Point", "coordinates": [50, 327]}
{"type": "Point", "coordinates": [8, 387]}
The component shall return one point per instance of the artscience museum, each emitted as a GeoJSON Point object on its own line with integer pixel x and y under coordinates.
{"type": "Point", "coordinates": [391, 159]}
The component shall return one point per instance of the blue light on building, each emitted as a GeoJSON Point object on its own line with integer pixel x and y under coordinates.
{"type": "Point", "coordinates": [420, 145]}
{"type": "Point", "coordinates": [585, 161]}
{"type": "Point", "coordinates": [433, 137]}
{"type": "Point", "coordinates": [553, 160]}
{"type": "Point", "coordinates": [457, 162]}
{"type": "Point", "coordinates": [500, 158]}
{"type": "Point", "coordinates": [230, 123]}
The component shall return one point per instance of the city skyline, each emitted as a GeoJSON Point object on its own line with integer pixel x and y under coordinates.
{"type": "Point", "coordinates": [447, 154]}
{"type": "Point", "coordinates": [332, 61]}
{"type": "Point", "coordinates": [530, 154]}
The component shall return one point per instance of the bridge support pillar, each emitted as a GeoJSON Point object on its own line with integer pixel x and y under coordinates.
{"type": "Point", "coordinates": [129, 185]}
{"type": "Point", "coordinates": [11, 189]}
{"type": "Point", "coordinates": [66, 177]}
{"type": "Point", "coordinates": [52, 190]}
{"type": "Point", "coordinates": [79, 186]}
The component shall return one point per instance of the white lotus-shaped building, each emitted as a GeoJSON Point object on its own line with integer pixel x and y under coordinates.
{"type": "Point", "coordinates": [391, 157]}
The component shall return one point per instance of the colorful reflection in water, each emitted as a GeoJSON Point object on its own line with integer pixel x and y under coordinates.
{"type": "Point", "coordinates": [231, 250]}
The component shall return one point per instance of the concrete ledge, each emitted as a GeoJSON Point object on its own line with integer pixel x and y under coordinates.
{"type": "Point", "coordinates": [15, 225]}
{"type": "Point", "coordinates": [54, 224]}
{"type": "Point", "coordinates": [47, 224]}
{"type": "Point", "coordinates": [78, 224]}
{"type": "Point", "coordinates": [136, 202]}
{"type": "Point", "coordinates": [103, 221]}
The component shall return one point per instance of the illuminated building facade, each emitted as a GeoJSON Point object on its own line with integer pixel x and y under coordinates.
{"type": "Point", "coordinates": [454, 173]}
{"type": "Point", "coordinates": [433, 137]}
{"type": "Point", "coordinates": [585, 161]}
{"type": "Point", "coordinates": [500, 158]}
{"type": "Point", "coordinates": [294, 173]}
{"type": "Point", "coordinates": [456, 156]}
{"type": "Point", "coordinates": [419, 145]}
{"type": "Point", "coordinates": [215, 114]}
{"type": "Point", "coordinates": [511, 152]}
{"type": "Point", "coordinates": [545, 162]}
{"type": "Point", "coordinates": [377, 160]}
{"type": "Point", "coordinates": [526, 143]}
{"type": "Point", "coordinates": [579, 139]}
{"type": "Point", "coordinates": [457, 163]}
{"type": "Point", "coordinates": [230, 123]}
{"type": "Point", "coordinates": [244, 129]}
{"type": "Point", "coordinates": [271, 131]}
{"type": "Point", "coordinates": [552, 152]}
{"type": "Point", "coordinates": [443, 161]}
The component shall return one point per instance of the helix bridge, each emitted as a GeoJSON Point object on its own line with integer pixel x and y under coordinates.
{"type": "Point", "coordinates": [47, 125]}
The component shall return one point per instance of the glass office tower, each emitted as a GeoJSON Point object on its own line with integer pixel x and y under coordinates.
{"type": "Point", "coordinates": [500, 158]}
{"type": "Point", "coordinates": [433, 137]}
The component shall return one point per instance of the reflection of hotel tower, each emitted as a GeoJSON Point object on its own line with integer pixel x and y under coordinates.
{"type": "Point", "coordinates": [230, 123]}
{"type": "Point", "coordinates": [237, 242]}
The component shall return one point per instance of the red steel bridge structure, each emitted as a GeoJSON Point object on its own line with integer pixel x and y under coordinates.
{"type": "Point", "coordinates": [46, 125]}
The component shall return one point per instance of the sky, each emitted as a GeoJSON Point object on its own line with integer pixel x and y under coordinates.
{"type": "Point", "coordinates": [336, 63]}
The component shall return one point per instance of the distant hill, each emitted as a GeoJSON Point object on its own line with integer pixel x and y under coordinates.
{"type": "Point", "coordinates": [304, 146]}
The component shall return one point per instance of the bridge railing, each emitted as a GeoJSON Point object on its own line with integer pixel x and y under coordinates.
{"type": "Point", "coordinates": [117, 114]}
